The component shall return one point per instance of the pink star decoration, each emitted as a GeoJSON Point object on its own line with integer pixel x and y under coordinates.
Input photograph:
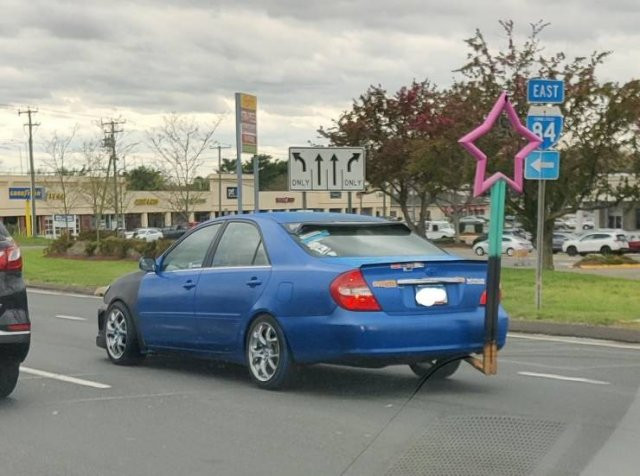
{"type": "Point", "coordinates": [482, 184]}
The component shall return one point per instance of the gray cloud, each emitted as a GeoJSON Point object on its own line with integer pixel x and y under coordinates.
{"type": "Point", "coordinates": [305, 60]}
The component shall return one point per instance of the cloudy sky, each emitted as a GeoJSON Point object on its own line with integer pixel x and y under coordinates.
{"type": "Point", "coordinates": [80, 61]}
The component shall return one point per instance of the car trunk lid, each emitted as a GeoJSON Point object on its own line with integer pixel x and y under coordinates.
{"type": "Point", "coordinates": [426, 287]}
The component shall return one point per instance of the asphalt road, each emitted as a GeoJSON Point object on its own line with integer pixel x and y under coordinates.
{"type": "Point", "coordinates": [558, 406]}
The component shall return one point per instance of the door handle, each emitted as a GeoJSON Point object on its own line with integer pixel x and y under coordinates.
{"type": "Point", "coordinates": [189, 284]}
{"type": "Point", "coordinates": [253, 282]}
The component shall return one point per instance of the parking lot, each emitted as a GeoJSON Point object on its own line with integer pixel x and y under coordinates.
{"type": "Point", "coordinates": [561, 261]}
{"type": "Point", "coordinates": [567, 405]}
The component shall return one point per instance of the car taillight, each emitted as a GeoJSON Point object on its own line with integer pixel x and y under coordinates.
{"type": "Point", "coordinates": [19, 327]}
{"type": "Point", "coordinates": [10, 259]}
{"type": "Point", "coordinates": [483, 297]}
{"type": "Point", "coordinates": [350, 291]}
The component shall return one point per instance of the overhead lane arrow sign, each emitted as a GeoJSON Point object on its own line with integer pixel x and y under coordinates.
{"type": "Point", "coordinates": [319, 162]}
{"type": "Point", "coordinates": [296, 156]}
{"type": "Point", "coordinates": [354, 158]}
{"type": "Point", "coordinates": [338, 168]}
{"type": "Point", "coordinates": [334, 161]}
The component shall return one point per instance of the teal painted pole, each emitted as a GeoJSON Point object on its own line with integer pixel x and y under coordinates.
{"type": "Point", "coordinates": [496, 219]}
{"type": "Point", "coordinates": [496, 226]}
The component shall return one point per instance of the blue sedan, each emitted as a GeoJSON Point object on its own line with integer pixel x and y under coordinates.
{"type": "Point", "coordinates": [276, 291]}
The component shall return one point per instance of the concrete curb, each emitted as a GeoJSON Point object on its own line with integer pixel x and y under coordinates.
{"type": "Point", "coordinates": [63, 289]}
{"type": "Point", "coordinates": [608, 266]}
{"type": "Point", "coordinates": [620, 334]}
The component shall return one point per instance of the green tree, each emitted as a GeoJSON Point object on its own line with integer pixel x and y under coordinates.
{"type": "Point", "coordinates": [401, 133]}
{"type": "Point", "coordinates": [601, 122]}
{"type": "Point", "coordinates": [145, 178]}
{"type": "Point", "coordinates": [201, 183]}
{"type": "Point", "coordinates": [272, 173]}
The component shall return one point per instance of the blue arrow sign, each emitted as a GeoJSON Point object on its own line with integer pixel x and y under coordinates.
{"type": "Point", "coordinates": [548, 128]}
{"type": "Point", "coordinates": [545, 91]}
{"type": "Point", "coordinates": [542, 165]}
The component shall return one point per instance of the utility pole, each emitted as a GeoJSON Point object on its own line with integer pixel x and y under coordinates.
{"type": "Point", "coordinates": [110, 143]}
{"type": "Point", "coordinates": [30, 124]}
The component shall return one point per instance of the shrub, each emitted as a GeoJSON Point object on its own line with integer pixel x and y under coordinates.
{"type": "Point", "coordinates": [59, 246]}
{"type": "Point", "coordinates": [90, 248]}
{"type": "Point", "coordinates": [152, 249]}
{"type": "Point", "coordinates": [604, 260]}
{"type": "Point", "coordinates": [162, 246]}
{"type": "Point", "coordinates": [113, 246]}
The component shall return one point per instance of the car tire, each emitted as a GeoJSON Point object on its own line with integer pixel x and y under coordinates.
{"type": "Point", "coordinates": [605, 250]}
{"type": "Point", "coordinates": [8, 378]}
{"type": "Point", "coordinates": [421, 369]}
{"type": "Point", "coordinates": [572, 251]}
{"type": "Point", "coordinates": [509, 251]}
{"type": "Point", "coordinates": [479, 251]}
{"type": "Point", "coordinates": [267, 353]}
{"type": "Point", "coordinates": [121, 336]}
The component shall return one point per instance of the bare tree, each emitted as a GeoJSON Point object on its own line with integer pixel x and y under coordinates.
{"type": "Point", "coordinates": [59, 164]}
{"type": "Point", "coordinates": [94, 188]}
{"type": "Point", "coordinates": [180, 143]}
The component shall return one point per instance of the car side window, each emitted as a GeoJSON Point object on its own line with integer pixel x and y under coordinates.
{"type": "Point", "coordinates": [588, 237]}
{"type": "Point", "coordinates": [240, 245]}
{"type": "Point", "coordinates": [191, 252]}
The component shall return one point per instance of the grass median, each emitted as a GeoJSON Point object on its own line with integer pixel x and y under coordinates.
{"type": "Point", "coordinates": [567, 297]}
{"type": "Point", "coordinates": [65, 272]}
{"type": "Point", "coordinates": [572, 298]}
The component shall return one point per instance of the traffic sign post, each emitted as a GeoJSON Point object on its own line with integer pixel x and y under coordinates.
{"type": "Point", "coordinates": [543, 164]}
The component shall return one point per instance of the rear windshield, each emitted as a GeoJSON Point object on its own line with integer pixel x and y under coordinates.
{"type": "Point", "coordinates": [369, 239]}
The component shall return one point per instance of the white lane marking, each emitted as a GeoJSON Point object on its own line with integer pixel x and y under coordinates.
{"type": "Point", "coordinates": [71, 318]}
{"type": "Point", "coordinates": [563, 377]}
{"type": "Point", "coordinates": [576, 340]}
{"type": "Point", "coordinates": [126, 397]}
{"type": "Point", "coordinates": [61, 293]}
{"type": "Point", "coordinates": [64, 378]}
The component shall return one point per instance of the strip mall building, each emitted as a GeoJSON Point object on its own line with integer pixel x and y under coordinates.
{"type": "Point", "coordinates": [69, 204]}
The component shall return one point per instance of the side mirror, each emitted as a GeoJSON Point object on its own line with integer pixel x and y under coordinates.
{"type": "Point", "coordinates": [147, 264]}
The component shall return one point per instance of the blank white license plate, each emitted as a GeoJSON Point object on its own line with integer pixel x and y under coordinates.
{"type": "Point", "coordinates": [431, 296]}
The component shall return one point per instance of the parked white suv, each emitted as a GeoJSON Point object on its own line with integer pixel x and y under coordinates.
{"type": "Point", "coordinates": [604, 242]}
{"type": "Point", "coordinates": [510, 244]}
{"type": "Point", "coordinates": [437, 230]}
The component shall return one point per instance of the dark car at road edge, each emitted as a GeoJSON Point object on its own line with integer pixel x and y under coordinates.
{"type": "Point", "coordinates": [15, 326]}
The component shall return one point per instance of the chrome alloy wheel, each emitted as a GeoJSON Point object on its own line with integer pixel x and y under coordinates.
{"type": "Point", "coordinates": [116, 333]}
{"type": "Point", "coordinates": [264, 352]}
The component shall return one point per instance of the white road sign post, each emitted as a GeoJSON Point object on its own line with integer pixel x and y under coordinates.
{"type": "Point", "coordinates": [326, 168]}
